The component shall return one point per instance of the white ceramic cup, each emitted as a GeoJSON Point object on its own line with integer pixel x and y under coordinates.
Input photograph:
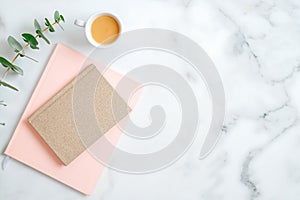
{"type": "Point", "coordinates": [87, 25]}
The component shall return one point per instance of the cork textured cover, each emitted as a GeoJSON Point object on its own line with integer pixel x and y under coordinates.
{"type": "Point", "coordinates": [57, 124]}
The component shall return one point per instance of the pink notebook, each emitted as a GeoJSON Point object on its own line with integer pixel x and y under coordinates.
{"type": "Point", "coordinates": [29, 148]}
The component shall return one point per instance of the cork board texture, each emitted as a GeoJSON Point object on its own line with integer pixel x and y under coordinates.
{"type": "Point", "coordinates": [69, 134]}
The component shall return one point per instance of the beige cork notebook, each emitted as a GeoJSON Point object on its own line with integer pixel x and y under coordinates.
{"type": "Point", "coordinates": [55, 120]}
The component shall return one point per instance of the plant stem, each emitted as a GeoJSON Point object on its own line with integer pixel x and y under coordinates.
{"type": "Point", "coordinates": [31, 58]}
{"type": "Point", "coordinates": [4, 74]}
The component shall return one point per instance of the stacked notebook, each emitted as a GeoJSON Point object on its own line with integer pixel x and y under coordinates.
{"type": "Point", "coordinates": [46, 137]}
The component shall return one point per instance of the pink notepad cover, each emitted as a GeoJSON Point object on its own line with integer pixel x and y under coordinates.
{"type": "Point", "coordinates": [29, 148]}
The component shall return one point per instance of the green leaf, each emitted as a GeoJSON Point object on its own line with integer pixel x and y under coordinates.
{"type": "Point", "coordinates": [13, 43]}
{"type": "Point", "coordinates": [2, 103]}
{"type": "Point", "coordinates": [31, 40]}
{"type": "Point", "coordinates": [62, 18]}
{"type": "Point", "coordinates": [41, 35]}
{"type": "Point", "coordinates": [8, 85]}
{"type": "Point", "coordinates": [5, 63]}
{"type": "Point", "coordinates": [8, 64]}
{"type": "Point", "coordinates": [60, 26]}
{"type": "Point", "coordinates": [2, 124]}
{"type": "Point", "coordinates": [48, 24]}
{"type": "Point", "coordinates": [56, 16]}
{"type": "Point", "coordinates": [17, 69]}
{"type": "Point", "coordinates": [37, 25]}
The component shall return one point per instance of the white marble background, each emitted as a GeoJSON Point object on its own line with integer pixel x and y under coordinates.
{"type": "Point", "coordinates": [255, 46]}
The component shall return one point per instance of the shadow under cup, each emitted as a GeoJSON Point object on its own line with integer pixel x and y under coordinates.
{"type": "Point", "coordinates": [105, 29]}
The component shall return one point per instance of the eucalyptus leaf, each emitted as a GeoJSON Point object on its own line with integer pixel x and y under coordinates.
{"type": "Point", "coordinates": [60, 26]}
{"type": "Point", "coordinates": [8, 64]}
{"type": "Point", "coordinates": [5, 63]}
{"type": "Point", "coordinates": [31, 40]}
{"type": "Point", "coordinates": [37, 25]}
{"type": "Point", "coordinates": [41, 35]}
{"type": "Point", "coordinates": [48, 24]}
{"type": "Point", "coordinates": [56, 16]}
{"type": "Point", "coordinates": [17, 69]}
{"type": "Point", "coordinates": [8, 85]}
{"type": "Point", "coordinates": [13, 43]}
{"type": "Point", "coordinates": [2, 103]}
{"type": "Point", "coordinates": [62, 18]}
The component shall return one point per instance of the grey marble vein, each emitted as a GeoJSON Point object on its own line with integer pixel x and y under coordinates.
{"type": "Point", "coordinates": [288, 76]}
{"type": "Point", "coordinates": [245, 176]}
{"type": "Point", "coordinates": [268, 8]}
{"type": "Point", "coordinates": [255, 56]}
{"type": "Point", "coordinates": [269, 112]}
{"type": "Point", "coordinates": [229, 124]}
{"type": "Point", "coordinates": [244, 42]}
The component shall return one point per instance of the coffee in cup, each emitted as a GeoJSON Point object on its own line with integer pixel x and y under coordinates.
{"type": "Point", "coordinates": [102, 29]}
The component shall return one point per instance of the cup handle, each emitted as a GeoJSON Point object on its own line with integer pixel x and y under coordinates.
{"type": "Point", "coordinates": [79, 22]}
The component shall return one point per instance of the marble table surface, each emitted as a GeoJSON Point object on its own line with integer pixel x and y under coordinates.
{"type": "Point", "coordinates": [255, 45]}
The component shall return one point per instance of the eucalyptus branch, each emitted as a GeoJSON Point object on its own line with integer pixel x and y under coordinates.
{"type": "Point", "coordinates": [28, 44]}
{"type": "Point", "coordinates": [30, 41]}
